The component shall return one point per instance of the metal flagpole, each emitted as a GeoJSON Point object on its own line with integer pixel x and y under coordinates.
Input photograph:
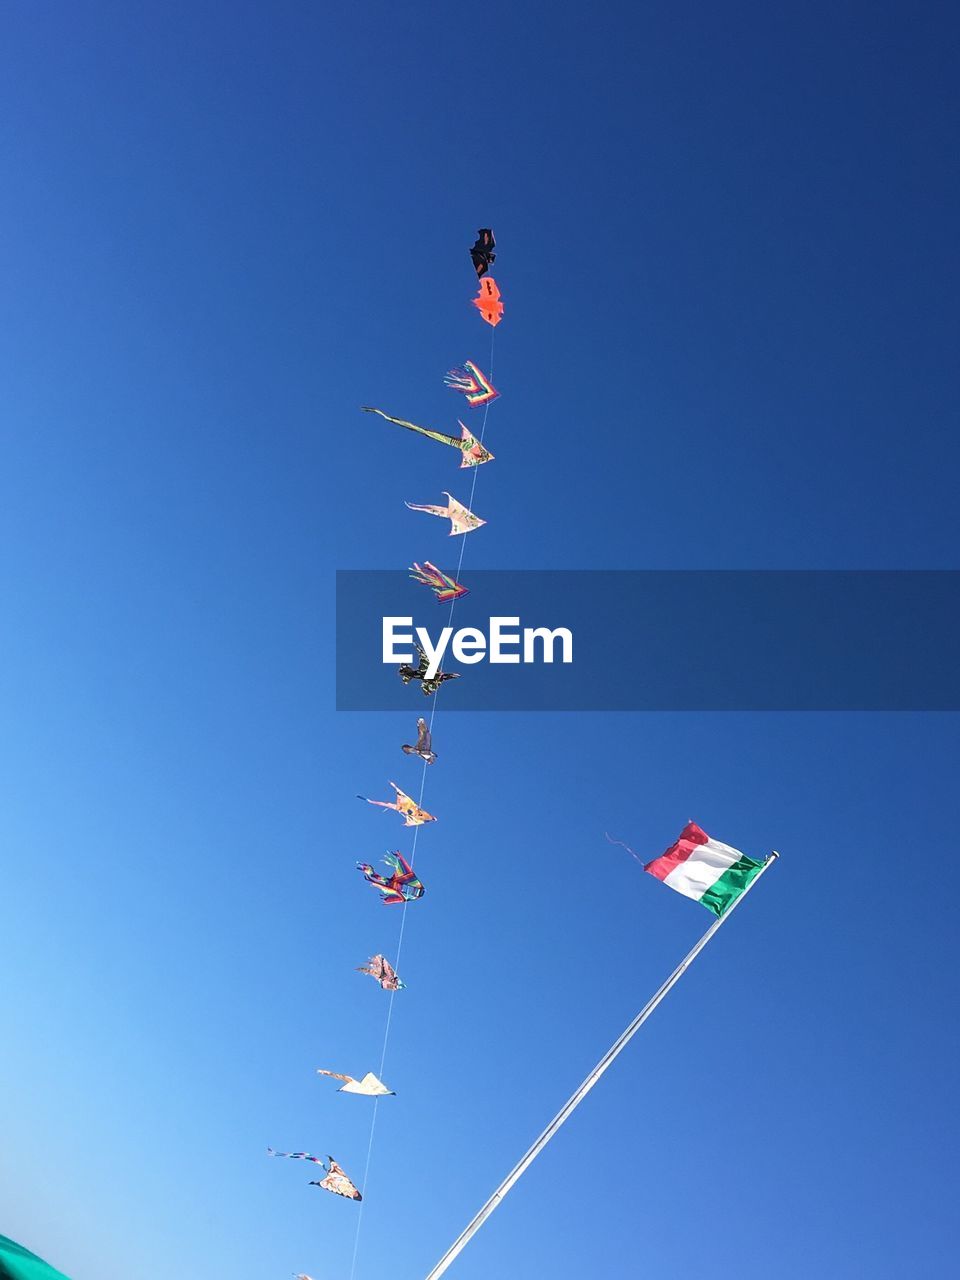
{"type": "Point", "coordinates": [471, 1229]}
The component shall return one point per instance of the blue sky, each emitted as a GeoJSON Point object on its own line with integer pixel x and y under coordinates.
{"type": "Point", "coordinates": [728, 254]}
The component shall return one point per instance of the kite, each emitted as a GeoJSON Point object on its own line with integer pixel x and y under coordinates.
{"type": "Point", "coordinates": [412, 814]}
{"type": "Point", "coordinates": [469, 380]}
{"type": "Point", "coordinates": [474, 454]}
{"type": "Point", "coordinates": [335, 1181]}
{"type": "Point", "coordinates": [369, 1086]}
{"type": "Point", "coordinates": [461, 520]}
{"type": "Point", "coordinates": [488, 301]}
{"type": "Point", "coordinates": [429, 684]}
{"type": "Point", "coordinates": [444, 587]}
{"type": "Point", "coordinates": [423, 744]}
{"type": "Point", "coordinates": [402, 886]}
{"type": "Point", "coordinates": [379, 967]}
{"type": "Point", "coordinates": [482, 251]}
{"type": "Point", "coordinates": [300, 1275]}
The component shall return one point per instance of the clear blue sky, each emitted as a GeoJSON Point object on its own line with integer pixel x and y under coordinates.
{"type": "Point", "coordinates": [728, 251]}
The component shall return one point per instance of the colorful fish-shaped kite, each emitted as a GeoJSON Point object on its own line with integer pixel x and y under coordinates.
{"type": "Point", "coordinates": [428, 684]}
{"type": "Point", "coordinates": [369, 1086]}
{"type": "Point", "coordinates": [412, 814]}
{"type": "Point", "coordinates": [335, 1181]}
{"type": "Point", "coordinates": [379, 967]}
{"type": "Point", "coordinates": [402, 886]}
{"type": "Point", "coordinates": [461, 519]}
{"type": "Point", "coordinates": [474, 454]}
{"type": "Point", "coordinates": [473, 384]}
{"type": "Point", "coordinates": [488, 301]}
{"type": "Point", "coordinates": [482, 251]}
{"type": "Point", "coordinates": [443, 586]}
{"type": "Point", "coordinates": [424, 744]}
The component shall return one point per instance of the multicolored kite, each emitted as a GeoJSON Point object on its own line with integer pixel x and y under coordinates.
{"type": "Point", "coordinates": [335, 1181]}
{"type": "Point", "coordinates": [461, 519]}
{"type": "Point", "coordinates": [482, 251]}
{"type": "Point", "coordinates": [402, 886]}
{"type": "Point", "coordinates": [488, 301]}
{"type": "Point", "coordinates": [424, 744]}
{"type": "Point", "coordinates": [473, 384]}
{"type": "Point", "coordinates": [428, 684]}
{"type": "Point", "coordinates": [412, 814]}
{"type": "Point", "coordinates": [369, 1086]}
{"type": "Point", "coordinates": [443, 586]}
{"type": "Point", "coordinates": [474, 454]}
{"type": "Point", "coordinates": [379, 967]}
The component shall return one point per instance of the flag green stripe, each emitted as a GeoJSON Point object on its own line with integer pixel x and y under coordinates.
{"type": "Point", "coordinates": [730, 885]}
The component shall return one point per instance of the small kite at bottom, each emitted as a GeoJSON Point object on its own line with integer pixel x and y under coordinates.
{"type": "Point", "coordinates": [474, 454]}
{"type": "Point", "coordinates": [461, 519]}
{"type": "Point", "coordinates": [369, 1086]}
{"type": "Point", "coordinates": [379, 967]}
{"type": "Point", "coordinates": [441, 584]}
{"type": "Point", "coordinates": [424, 744]}
{"type": "Point", "coordinates": [402, 886]}
{"type": "Point", "coordinates": [335, 1181]}
{"type": "Point", "coordinates": [428, 684]}
{"type": "Point", "coordinates": [488, 301]}
{"type": "Point", "coordinates": [412, 814]}
{"type": "Point", "coordinates": [475, 386]}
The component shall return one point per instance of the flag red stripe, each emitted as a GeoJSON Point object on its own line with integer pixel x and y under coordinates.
{"type": "Point", "coordinates": [690, 837]}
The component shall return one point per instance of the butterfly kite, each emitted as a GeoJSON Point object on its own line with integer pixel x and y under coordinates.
{"type": "Point", "coordinates": [473, 384]}
{"type": "Point", "coordinates": [461, 520]}
{"type": "Point", "coordinates": [488, 301]}
{"type": "Point", "coordinates": [402, 886]}
{"type": "Point", "coordinates": [482, 252]}
{"type": "Point", "coordinates": [423, 746]}
{"type": "Point", "coordinates": [443, 586]}
{"type": "Point", "coordinates": [412, 814]}
{"type": "Point", "coordinates": [429, 684]}
{"type": "Point", "coordinates": [474, 454]}
{"type": "Point", "coordinates": [369, 1086]}
{"type": "Point", "coordinates": [379, 967]}
{"type": "Point", "coordinates": [335, 1181]}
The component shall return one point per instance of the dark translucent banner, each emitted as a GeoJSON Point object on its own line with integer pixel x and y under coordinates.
{"type": "Point", "coordinates": [661, 641]}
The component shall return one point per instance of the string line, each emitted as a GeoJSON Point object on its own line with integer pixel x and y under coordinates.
{"type": "Point", "coordinates": [413, 856]}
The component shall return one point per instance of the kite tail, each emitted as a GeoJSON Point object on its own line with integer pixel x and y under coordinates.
{"type": "Point", "coordinates": [432, 510]}
{"type": "Point", "coordinates": [381, 804]}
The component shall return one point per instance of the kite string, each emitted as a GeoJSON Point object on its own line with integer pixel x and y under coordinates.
{"type": "Point", "coordinates": [413, 857]}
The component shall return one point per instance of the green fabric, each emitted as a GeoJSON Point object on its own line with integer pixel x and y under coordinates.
{"type": "Point", "coordinates": [18, 1263]}
{"type": "Point", "coordinates": [730, 885]}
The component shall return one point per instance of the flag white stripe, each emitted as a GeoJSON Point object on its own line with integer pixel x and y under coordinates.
{"type": "Point", "coordinates": [702, 869]}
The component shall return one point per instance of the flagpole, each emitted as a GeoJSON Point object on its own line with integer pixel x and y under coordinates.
{"type": "Point", "coordinates": [471, 1229]}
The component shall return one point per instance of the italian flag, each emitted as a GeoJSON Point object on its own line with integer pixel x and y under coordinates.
{"type": "Point", "coordinates": [702, 868]}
